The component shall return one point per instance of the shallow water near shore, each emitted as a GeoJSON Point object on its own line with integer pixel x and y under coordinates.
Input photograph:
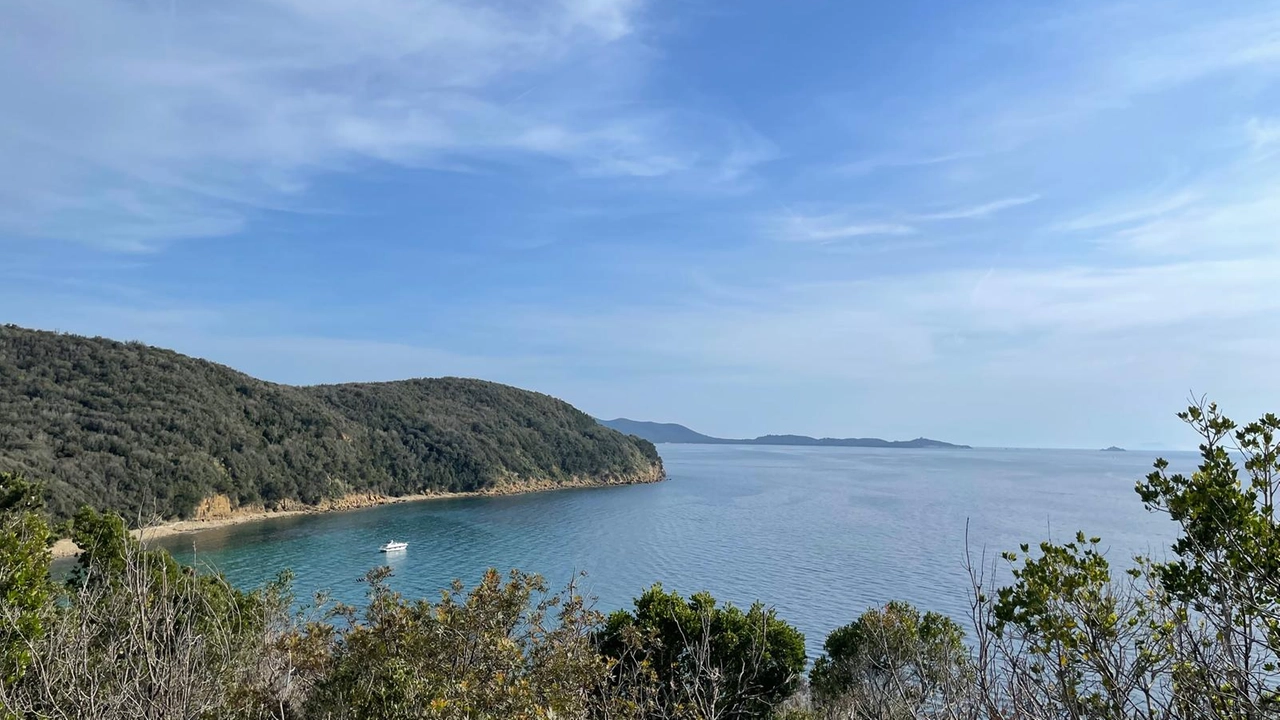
{"type": "Point", "coordinates": [819, 533]}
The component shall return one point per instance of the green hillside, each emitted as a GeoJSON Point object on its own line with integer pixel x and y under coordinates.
{"type": "Point", "coordinates": [150, 432]}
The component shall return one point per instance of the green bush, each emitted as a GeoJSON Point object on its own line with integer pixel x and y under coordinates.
{"type": "Point", "coordinates": [505, 649]}
{"type": "Point", "coordinates": [26, 592]}
{"type": "Point", "coordinates": [707, 660]}
{"type": "Point", "coordinates": [893, 662]}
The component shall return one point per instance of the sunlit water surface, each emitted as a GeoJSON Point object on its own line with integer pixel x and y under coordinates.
{"type": "Point", "coordinates": [819, 533]}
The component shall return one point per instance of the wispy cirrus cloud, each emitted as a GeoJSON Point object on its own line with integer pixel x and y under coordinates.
{"type": "Point", "coordinates": [905, 161]}
{"type": "Point", "coordinates": [1014, 335]}
{"type": "Point", "coordinates": [981, 210]}
{"type": "Point", "coordinates": [1194, 42]}
{"type": "Point", "coordinates": [1085, 61]}
{"type": "Point", "coordinates": [1263, 133]}
{"type": "Point", "coordinates": [1141, 48]}
{"type": "Point", "coordinates": [179, 120]}
{"type": "Point", "coordinates": [1136, 211]}
{"type": "Point", "coordinates": [1228, 212]}
{"type": "Point", "coordinates": [830, 228]}
{"type": "Point", "coordinates": [1210, 228]}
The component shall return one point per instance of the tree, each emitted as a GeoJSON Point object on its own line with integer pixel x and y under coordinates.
{"type": "Point", "coordinates": [26, 591]}
{"type": "Point", "coordinates": [1068, 639]}
{"type": "Point", "coordinates": [505, 649]}
{"type": "Point", "coordinates": [134, 634]}
{"type": "Point", "coordinates": [709, 661]}
{"type": "Point", "coordinates": [105, 545]}
{"type": "Point", "coordinates": [1197, 636]}
{"type": "Point", "coordinates": [1226, 571]}
{"type": "Point", "coordinates": [893, 663]}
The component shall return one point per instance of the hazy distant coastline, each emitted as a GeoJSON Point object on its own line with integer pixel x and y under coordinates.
{"type": "Point", "coordinates": [673, 433]}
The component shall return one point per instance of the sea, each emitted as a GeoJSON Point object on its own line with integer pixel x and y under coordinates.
{"type": "Point", "coordinates": [819, 534]}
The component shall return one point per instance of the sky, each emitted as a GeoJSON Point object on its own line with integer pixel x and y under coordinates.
{"type": "Point", "coordinates": [994, 223]}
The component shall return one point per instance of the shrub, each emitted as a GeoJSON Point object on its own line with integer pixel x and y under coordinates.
{"type": "Point", "coordinates": [893, 662]}
{"type": "Point", "coordinates": [706, 660]}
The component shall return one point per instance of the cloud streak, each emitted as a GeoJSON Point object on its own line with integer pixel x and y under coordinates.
{"type": "Point", "coordinates": [1074, 325]}
{"type": "Point", "coordinates": [871, 165]}
{"type": "Point", "coordinates": [980, 211]}
{"type": "Point", "coordinates": [831, 228]}
{"type": "Point", "coordinates": [1141, 210]}
{"type": "Point", "coordinates": [1263, 132]}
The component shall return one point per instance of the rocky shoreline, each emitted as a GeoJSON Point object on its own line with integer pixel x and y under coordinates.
{"type": "Point", "coordinates": [216, 511]}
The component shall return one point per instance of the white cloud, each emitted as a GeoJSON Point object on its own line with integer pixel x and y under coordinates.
{"type": "Point", "coordinates": [1233, 209]}
{"type": "Point", "coordinates": [980, 211]}
{"type": "Point", "coordinates": [1263, 132]}
{"type": "Point", "coordinates": [1082, 301]}
{"type": "Point", "coordinates": [610, 18]}
{"type": "Point", "coordinates": [134, 123]}
{"type": "Point", "coordinates": [832, 227]}
{"type": "Point", "coordinates": [1202, 45]}
{"type": "Point", "coordinates": [1209, 229]}
{"type": "Point", "coordinates": [1027, 329]}
{"type": "Point", "coordinates": [747, 150]}
{"type": "Point", "coordinates": [1071, 325]}
{"type": "Point", "coordinates": [1136, 211]}
{"type": "Point", "coordinates": [829, 228]}
{"type": "Point", "coordinates": [867, 166]}
{"type": "Point", "coordinates": [996, 354]}
{"type": "Point", "coordinates": [1090, 61]}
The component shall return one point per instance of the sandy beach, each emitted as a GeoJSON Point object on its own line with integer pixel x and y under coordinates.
{"type": "Point", "coordinates": [216, 512]}
{"type": "Point", "coordinates": [66, 548]}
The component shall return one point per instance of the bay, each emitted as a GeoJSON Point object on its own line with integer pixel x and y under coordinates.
{"type": "Point", "coordinates": [819, 533]}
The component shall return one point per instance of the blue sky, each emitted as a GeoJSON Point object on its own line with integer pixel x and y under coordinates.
{"type": "Point", "coordinates": [999, 223]}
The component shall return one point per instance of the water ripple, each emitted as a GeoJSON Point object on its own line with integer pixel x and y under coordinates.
{"type": "Point", "coordinates": [820, 533]}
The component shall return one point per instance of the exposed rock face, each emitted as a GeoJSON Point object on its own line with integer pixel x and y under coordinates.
{"type": "Point", "coordinates": [218, 507]}
{"type": "Point", "coordinates": [511, 486]}
{"type": "Point", "coordinates": [351, 501]}
{"type": "Point", "coordinates": [215, 507]}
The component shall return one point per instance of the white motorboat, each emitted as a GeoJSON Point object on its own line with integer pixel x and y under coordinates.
{"type": "Point", "coordinates": [394, 546]}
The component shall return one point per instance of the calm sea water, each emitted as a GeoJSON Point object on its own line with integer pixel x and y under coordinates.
{"type": "Point", "coordinates": [819, 533]}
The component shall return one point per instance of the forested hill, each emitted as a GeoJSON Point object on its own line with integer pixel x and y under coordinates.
{"type": "Point", "coordinates": [673, 433]}
{"type": "Point", "coordinates": [150, 432]}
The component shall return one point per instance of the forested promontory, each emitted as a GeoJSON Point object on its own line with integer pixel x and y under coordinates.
{"type": "Point", "coordinates": [150, 433]}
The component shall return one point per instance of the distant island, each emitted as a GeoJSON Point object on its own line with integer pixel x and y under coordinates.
{"type": "Point", "coordinates": [673, 433]}
{"type": "Point", "coordinates": [1113, 448]}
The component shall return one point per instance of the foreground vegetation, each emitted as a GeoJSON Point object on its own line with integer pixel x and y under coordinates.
{"type": "Point", "coordinates": [133, 634]}
{"type": "Point", "coordinates": [150, 433]}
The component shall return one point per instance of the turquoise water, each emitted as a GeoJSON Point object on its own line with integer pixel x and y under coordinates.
{"type": "Point", "coordinates": [819, 533]}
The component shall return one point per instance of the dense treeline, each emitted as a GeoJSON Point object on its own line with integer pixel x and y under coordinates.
{"type": "Point", "coordinates": [149, 432]}
{"type": "Point", "coordinates": [1192, 636]}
